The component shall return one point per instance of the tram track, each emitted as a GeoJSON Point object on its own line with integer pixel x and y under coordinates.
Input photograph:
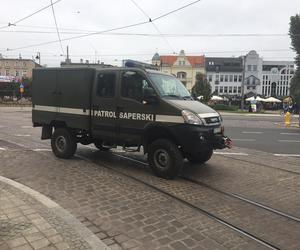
{"type": "Point", "coordinates": [211, 214]}
{"type": "Point", "coordinates": [229, 194]}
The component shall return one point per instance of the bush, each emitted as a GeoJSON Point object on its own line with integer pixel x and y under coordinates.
{"type": "Point", "coordinates": [224, 107]}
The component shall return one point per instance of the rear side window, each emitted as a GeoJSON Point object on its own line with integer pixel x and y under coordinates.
{"type": "Point", "coordinates": [106, 85]}
{"type": "Point", "coordinates": [133, 85]}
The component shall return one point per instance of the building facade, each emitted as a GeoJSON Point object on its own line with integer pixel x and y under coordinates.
{"type": "Point", "coordinates": [276, 78]}
{"type": "Point", "coordinates": [265, 78]}
{"type": "Point", "coordinates": [224, 75]}
{"type": "Point", "coordinates": [17, 68]}
{"type": "Point", "coordinates": [184, 67]}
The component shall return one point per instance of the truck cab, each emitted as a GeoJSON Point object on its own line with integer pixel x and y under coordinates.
{"type": "Point", "coordinates": [128, 107]}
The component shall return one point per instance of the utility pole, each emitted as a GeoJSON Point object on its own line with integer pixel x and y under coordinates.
{"type": "Point", "coordinates": [243, 83]}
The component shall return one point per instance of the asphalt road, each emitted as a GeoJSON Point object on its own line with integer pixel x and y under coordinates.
{"type": "Point", "coordinates": [263, 133]}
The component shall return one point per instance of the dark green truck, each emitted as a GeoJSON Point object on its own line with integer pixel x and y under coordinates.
{"type": "Point", "coordinates": [129, 107]}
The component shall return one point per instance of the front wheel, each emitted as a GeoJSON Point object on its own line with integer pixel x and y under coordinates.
{"type": "Point", "coordinates": [200, 157]}
{"type": "Point", "coordinates": [165, 159]}
{"type": "Point", "coordinates": [63, 143]}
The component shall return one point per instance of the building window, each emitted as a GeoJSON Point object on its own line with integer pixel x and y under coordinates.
{"type": "Point", "coordinates": [17, 73]}
{"type": "Point", "coordinates": [222, 78]}
{"type": "Point", "coordinates": [225, 89]}
{"type": "Point", "coordinates": [221, 89]}
{"type": "Point", "coordinates": [235, 78]}
{"type": "Point", "coordinates": [230, 89]}
{"type": "Point", "coordinates": [6, 64]}
{"type": "Point", "coordinates": [181, 75]}
{"type": "Point", "coordinates": [217, 77]}
{"type": "Point", "coordinates": [226, 78]}
{"type": "Point", "coordinates": [248, 81]}
{"type": "Point", "coordinates": [254, 67]}
{"type": "Point", "coordinates": [181, 63]}
{"type": "Point", "coordinates": [24, 73]}
{"type": "Point", "coordinates": [239, 89]}
{"type": "Point", "coordinates": [217, 89]}
{"type": "Point", "coordinates": [249, 67]}
{"type": "Point", "coordinates": [240, 78]}
{"type": "Point", "coordinates": [230, 78]}
{"type": "Point", "coordinates": [234, 89]}
{"type": "Point", "coordinates": [210, 78]}
{"type": "Point", "coordinates": [24, 64]}
{"type": "Point", "coordinates": [7, 72]}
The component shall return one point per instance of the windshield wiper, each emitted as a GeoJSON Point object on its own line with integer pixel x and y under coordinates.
{"type": "Point", "coordinates": [172, 95]}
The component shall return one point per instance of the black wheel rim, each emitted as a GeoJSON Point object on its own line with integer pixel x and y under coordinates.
{"type": "Point", "coordinates": [161, 158]}
{"type": "Point", "coordinates": [60, 143]}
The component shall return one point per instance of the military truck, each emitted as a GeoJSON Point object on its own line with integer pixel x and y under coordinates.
{"type": "Point", "coordinates": [128, 107]}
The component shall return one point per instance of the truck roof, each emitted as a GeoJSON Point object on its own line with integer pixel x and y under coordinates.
{"type": "Point", "coordinates": [104, 69]}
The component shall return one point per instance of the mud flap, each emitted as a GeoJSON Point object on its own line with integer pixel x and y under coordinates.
{"type": "Point", "coordinates": [46, 132]}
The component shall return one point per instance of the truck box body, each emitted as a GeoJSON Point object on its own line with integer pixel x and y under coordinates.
{"type": "Point", "coordinates": [62, 95]}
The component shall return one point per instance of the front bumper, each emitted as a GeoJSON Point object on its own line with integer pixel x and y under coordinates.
{"type": "Point", "coordinates": [194, 139]}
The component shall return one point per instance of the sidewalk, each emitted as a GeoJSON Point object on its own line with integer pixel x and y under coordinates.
{"type": "Point", "coordinates": [29, 220]}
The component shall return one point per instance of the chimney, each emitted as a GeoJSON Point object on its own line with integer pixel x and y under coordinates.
{"type": "Point", "coordinates": [81, 60]}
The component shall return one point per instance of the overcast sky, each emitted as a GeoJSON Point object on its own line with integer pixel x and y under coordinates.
{"type": "Point", "coordinates": [205, 17]}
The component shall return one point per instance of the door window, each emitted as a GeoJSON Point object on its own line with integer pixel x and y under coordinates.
{"type": "Point", "coordinates": [133, 85]}
{"type": "Point", "coordinates": [106, 85]}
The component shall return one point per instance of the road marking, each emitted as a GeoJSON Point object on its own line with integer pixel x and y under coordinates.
{"type": "Point", "coordinates": [243, 139]}
{"type": "Point", "coordinates": [251, 132]}
{"type": "Point", "coordinates": [3, 149]}
{"type": "Point", "coordinates": [26, 126]}
{"type": "Point", "coordinates": [290, 133]}
{"type": "Point", "coordinates": [41, 149]}
{"type": "Point", "coordinates": [287, 155]}
{"type": "Point", "coordinates": [288, 141]}
{"type": "Point", "coordinates": [22, 135]}
{"type": "Point", "coordinates": [229, 153]}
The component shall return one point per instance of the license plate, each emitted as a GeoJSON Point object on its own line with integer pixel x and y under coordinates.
{"type": "Point", "coordinates": [217, 130]}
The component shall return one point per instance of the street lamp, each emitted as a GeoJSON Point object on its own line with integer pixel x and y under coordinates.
{"type": "Point", "coordinates": [38, 57]}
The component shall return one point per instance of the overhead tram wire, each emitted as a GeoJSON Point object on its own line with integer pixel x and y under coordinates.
{"type": "Point", "coordinates": [151, 34]}
{"type": "Point", "coordinates": [108, 30]}
{"type": "Point", "coordinates": [28, 16]}
{"type": "Point", "coordinates": [154, 25]}
{"type": "Point", "coordinates": [62, 49]}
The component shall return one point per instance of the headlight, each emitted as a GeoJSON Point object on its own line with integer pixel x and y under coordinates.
{"type": "Point", "coordinates": [191, 118]}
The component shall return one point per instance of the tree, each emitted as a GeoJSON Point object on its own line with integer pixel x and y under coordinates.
{"type": "Point", "coordinates": [294, 33]}
{"type": "Point", "coordinates": [201, 87]}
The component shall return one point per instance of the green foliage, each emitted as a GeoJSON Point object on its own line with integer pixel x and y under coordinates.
{"type": "Point", "coordinates": [201, 87]}
{"type": "Point", "coordinates": [295, 41]}
{"type": "Point", "coordinates": [224, 107]}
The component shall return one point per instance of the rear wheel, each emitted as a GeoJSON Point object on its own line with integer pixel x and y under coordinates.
{"type": "Point", "coordinates": [165, 159]}
{"type": "Point", "coordinates": [63, 143]}
{"type": "Point", "coordinates": [200, 157]}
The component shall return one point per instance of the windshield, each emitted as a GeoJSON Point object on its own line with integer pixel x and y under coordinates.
{"type": "Point", "coordinates": [169, 86]}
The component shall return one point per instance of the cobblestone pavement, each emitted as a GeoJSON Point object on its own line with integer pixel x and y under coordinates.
{"type": "Point", "coordinates": [126, 214]}
{"type": "Point", "coordinates": [27, 224]}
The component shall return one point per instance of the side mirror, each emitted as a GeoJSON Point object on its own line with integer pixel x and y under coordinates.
{"type": "Point", "coordinates": [149, 96]}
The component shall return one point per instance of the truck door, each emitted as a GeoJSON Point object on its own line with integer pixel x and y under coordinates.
{"type": "Point", "coordinates": [45, 96]}
{"type": "Point", "coordinates": [104, 106]}
{"type": "Point", "coordinates": [133, 114]}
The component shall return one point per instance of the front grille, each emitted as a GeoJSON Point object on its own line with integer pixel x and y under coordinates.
{"type": "Point", "coordinates": [212, 120]}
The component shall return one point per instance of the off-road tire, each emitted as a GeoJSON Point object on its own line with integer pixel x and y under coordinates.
{"type": "Point", "coordinates": [98, 144]}
{"type": "Point", "coordinates": [200, 157]}
{"type": "Point", "coordinates": [160, 149]}
{"type": "Point", "coordinates": [63, 143]}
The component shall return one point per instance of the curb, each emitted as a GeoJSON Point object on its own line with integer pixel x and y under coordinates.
{"type": "Point", "coordinates": [93, 241]}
